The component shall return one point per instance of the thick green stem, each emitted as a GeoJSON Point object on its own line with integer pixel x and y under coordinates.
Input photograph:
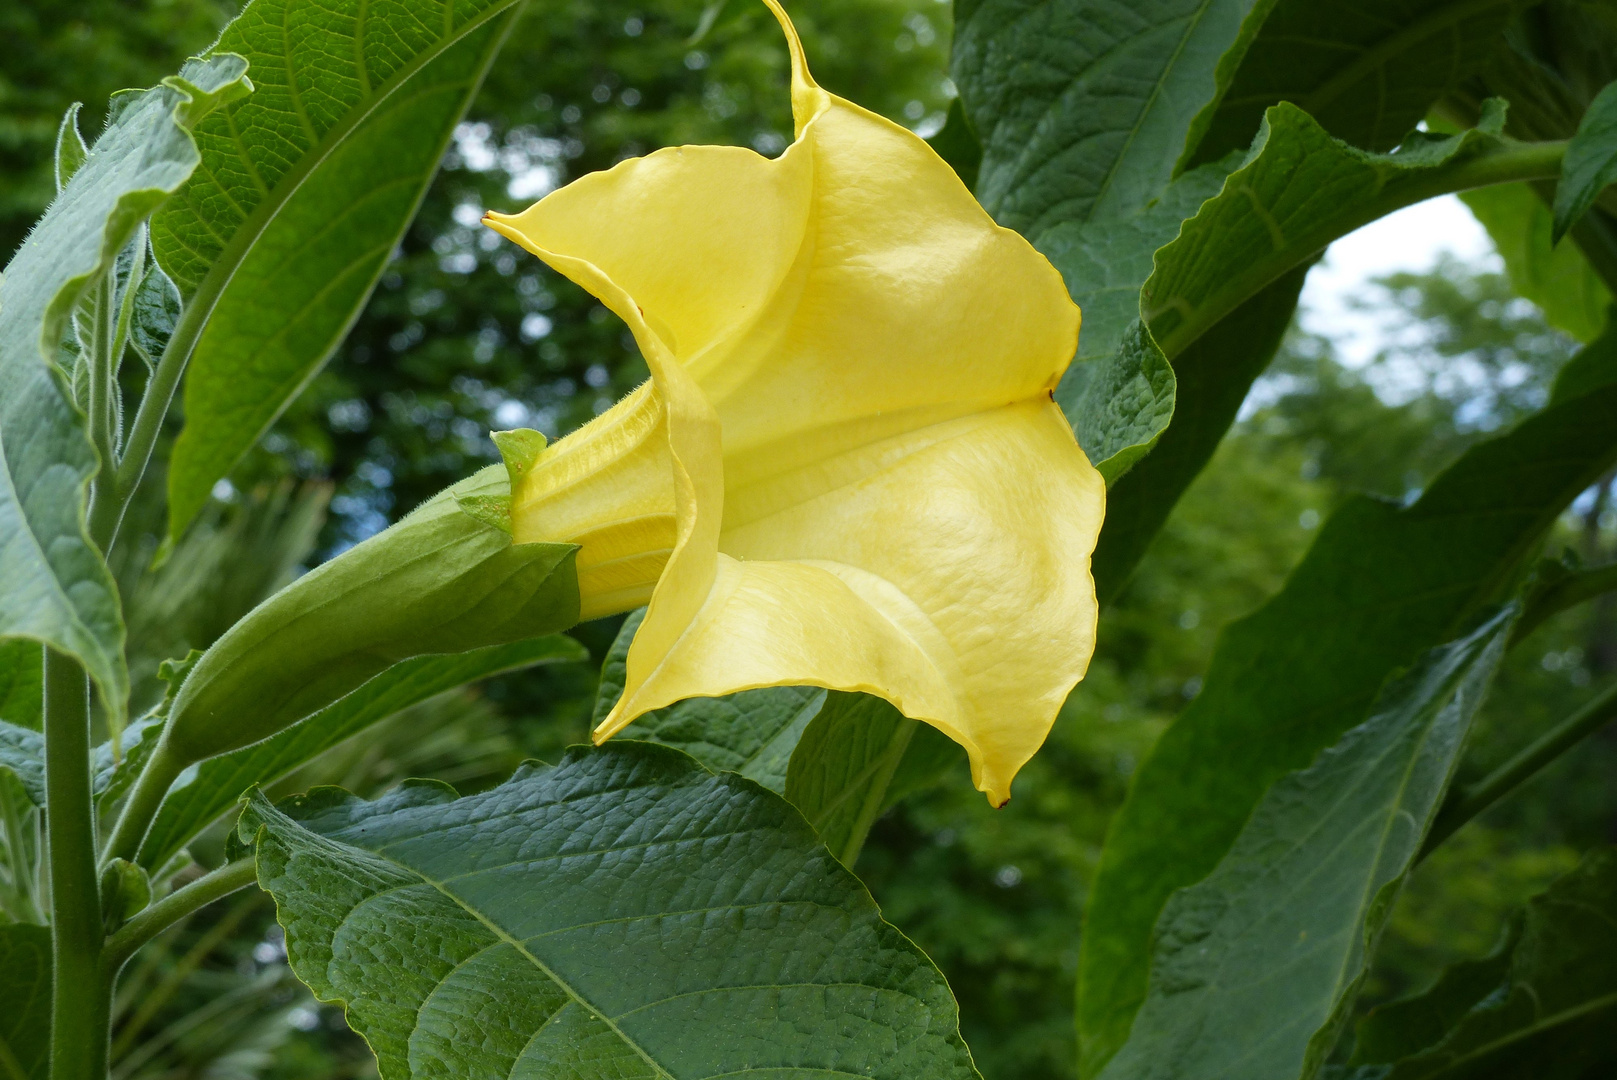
{"type": "Point", "coordinates": [104, 501]}
{"type": "Point", "coordinates": [1469, 801]}
{"type": "Point", "coordinates": [152, 921]}
{"type": "Point", "coordinates": [81, 997]}
{"type": "Point", "coordinates": [1504, 164]}
{"type": "Point", "coordinates": [144, 800]}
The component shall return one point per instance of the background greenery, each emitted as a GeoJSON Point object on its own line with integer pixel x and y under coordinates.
{"type": "Point", "coordinates": [466, 334]}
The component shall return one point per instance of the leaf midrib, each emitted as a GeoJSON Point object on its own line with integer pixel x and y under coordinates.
{"type": "Point", "coordinates": [545, 969]}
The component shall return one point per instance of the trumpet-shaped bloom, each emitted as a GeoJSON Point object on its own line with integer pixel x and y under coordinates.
{"type": "Point", "coordinates": [847, 470]}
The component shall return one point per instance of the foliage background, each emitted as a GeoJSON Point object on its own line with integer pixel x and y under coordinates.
{"type": "Point", "coordinates": [466, 334]}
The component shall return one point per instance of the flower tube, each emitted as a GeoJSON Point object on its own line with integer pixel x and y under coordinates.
{"type": "Point", "coordinates": [847, 469]}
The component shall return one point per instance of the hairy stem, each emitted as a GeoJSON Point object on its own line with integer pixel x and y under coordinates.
{"type": "Point", "coordinates": [1471, 800]}
{"type": "Point", "coordinates": [81, 997]}
{"type": "Point", "coordinates": [171, 909]}
{"type": "Point", "coordinates": [104, 494]}
{"type": "Point", "coordinates": [152, 1003]}
{"type": "Point", "coordinates": [144, 800]}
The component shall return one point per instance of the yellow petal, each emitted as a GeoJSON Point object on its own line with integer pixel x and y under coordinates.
{"type": "Point", "coordinates": [951, 578]}
{"type": "Point", "coordinates": [870, 487]}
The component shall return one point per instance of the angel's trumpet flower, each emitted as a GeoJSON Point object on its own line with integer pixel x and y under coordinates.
{"type": "Point", "coordinates": [847, 470]}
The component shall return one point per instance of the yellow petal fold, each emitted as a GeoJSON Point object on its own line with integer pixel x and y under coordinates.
{"type": "Point", "coordinates": [864, 483]}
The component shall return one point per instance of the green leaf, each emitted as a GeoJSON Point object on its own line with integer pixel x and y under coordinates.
{"type": "Point", "coordinates": [626, 913]}
{"type": "Point", "coordinates": [1556, 277]}
{"type": "Point", "coordinates": [1255, 968]}
{"type": "Point", "coordinates": [1405, 1027]}
{"type": "Point", "coordinates": [212, 788]}
{"type": "Point", "coordinates": [1552, 1016]}
{"type": "Point", "coordinates": [1213, 376]}
{"type": "Point", "coordinates": [306, 190]}
{"type": "Point", "coordinates": [752, 733]}
{"type": "Point", "coordinates": [22, 669]}
{"type": "Point", "coordinates": [1085, 109]}
{"type": "Point", "coordinates": [1590, 163]}
{"type": "Point", "coordinates": [70, 148]}
{"type": "Point", "coordinates": [57, 589]}
{"type": "Point", "coordinates": [843, 767]}
{"type": "Point", "coordinates": [25, 987]}
{"type": "Point", "coordinates": [157, 309]}
{"type": "Point", "coordinates": [1367, 70]}
{"type": "Point", "coordinates": [1381, 584]}
{"type": "Point", "coordinates": [1298, 190]}
{"type": "Point", "coordinates": [1086, 114]}
{"type": "Point", "coordinates": [22, 754]}
{"type": "Point", "coordinates": [439, 581]}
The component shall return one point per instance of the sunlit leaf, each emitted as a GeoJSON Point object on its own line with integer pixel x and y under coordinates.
{"type": "Point", "coordinates": [58, 589]}
{"type": "Point", "coordinates": [306, 190]}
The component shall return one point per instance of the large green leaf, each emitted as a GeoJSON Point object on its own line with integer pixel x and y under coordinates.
{"type": "Point", "coordinates": [304, 193]}
{"type": "Point", "coordinates": [1299, 190]}
{"type": "Point", "coordinates": [204, 792]}
{"type": "Point", "coordinates": [1214, 375]}
{"type": "Point", "coordinates": [1591, 162]}
{"type": "Point", "coordinates": [624, 914]}
{"type": "Point", "coordinates": [752, 733]}
{"type": "Point", "coordinates": [21, 683]}
{"type": "Point", "coordinates": [1556, 277]}
{"type": "Point", "coordinates": [22, 754]}
{"type": "Point", "coordinates": [1085, 111]}
{"type": "Point", "coordinates": [1119, 392]}
{"type": "Point", "coordinates": [1381, 584]}
{"type": "Point", "coordinates": [25, 987]}
{"type": "Point", "coordinates": [1085, 107]}
{"type": "Point", "coordinates": [56, 586]}
{"type": "Point", "coordinates": [1367, 70]}
{"type": "Point", "coordinates": [1255, 968]}
{"type": "Point", "coordinates": [1550, 1017]}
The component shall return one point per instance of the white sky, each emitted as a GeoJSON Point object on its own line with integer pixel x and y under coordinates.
{"type": "Point", "coordinates": [1410, 239]}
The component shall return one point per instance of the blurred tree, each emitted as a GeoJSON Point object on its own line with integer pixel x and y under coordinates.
{"type": "Point", "coordinates": [56, 52]}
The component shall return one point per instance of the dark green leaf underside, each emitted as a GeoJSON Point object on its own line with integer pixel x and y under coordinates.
{"type": "Point", "coordinates": [1255, 967]}
{"type": "Point", "coordinates": [1380, 585]}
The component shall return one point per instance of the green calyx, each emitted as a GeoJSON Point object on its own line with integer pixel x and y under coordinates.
{"type": "Point", "coordinates": [445, 579]}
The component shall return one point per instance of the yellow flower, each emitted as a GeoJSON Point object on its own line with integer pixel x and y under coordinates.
{"type": "Point", "coordinates": [847, 470]}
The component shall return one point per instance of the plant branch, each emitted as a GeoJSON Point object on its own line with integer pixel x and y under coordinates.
{"type": "Point", "coordinates": [81, 998]}
{"type": "Point", "coordinates": [1471, 800]}
{"type": "Point", "coordinates": [144, 800]}
{"type": "Point", "coordinates": [183, 901]}
{"type": "Point", "coordinates": [1567, 592]}
{"type": "Point", "coordinates": [103, 494]}
{"type": "Point", "coordinates": [1507, 163]}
